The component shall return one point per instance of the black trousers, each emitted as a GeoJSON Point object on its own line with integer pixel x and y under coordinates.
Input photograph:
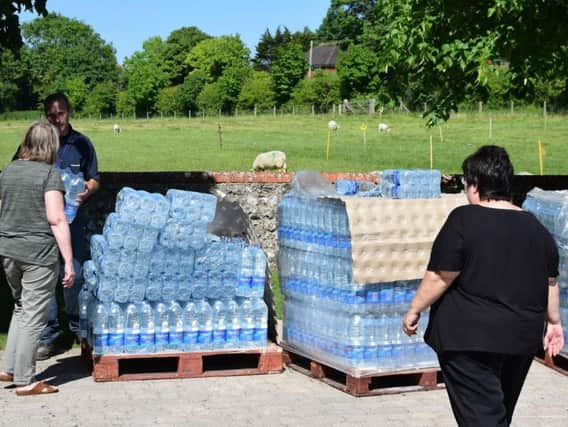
{"type": "Point", "coordinates": [483, 387]}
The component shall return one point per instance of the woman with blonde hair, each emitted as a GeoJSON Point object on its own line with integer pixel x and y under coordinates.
{"type": "Point", "coordinates": [33, 230]}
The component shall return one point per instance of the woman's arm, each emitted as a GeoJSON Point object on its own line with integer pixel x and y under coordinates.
{"type": "Point", "coordinates": [58, 223]}
{"type": "Point", "coordinates": [554, 337]}
{"type": "Point", "coordinates": [432, 287]}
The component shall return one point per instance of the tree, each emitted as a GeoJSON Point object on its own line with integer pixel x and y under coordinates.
{"type": "Point", "coordinates": [189, 91]}
{"type": "Point", "coordinates": [210, 98]}
{"type": "Point", "coordinates": [167, 101]}
{"type": "Point", "coordinates": [257, 91]}
{"type": "Point", "coordinates": [357, 69]}
{"type": "Point", "coordinates": [15, 91]}
{"type": "Point", "coordinates": [60, 48]}
{"type": "Point", "coordinates": [267, 47]}
{"type": "Point", "coordinates": [178, 45]}
{"type": "Point", "coordinates": [77, 91]}
{"type": "Point", "coordinates": [10, 32]}
{"type": "Point", "coordinates": [288, 70]}
{"type": "Point", "coordinates": [125, 104]}
{"type": "Point", "coordinates": [446, 50]}
{"type": "Point", "coordinates": [102, 99]}
{"type": "Point", "coordinates": [213, 56]}
{"type": "Point", "coordinates": [322, 91]}
{"type": "Point", "coordinates": [145, 74]}
{"type": "Point", "coordinates": [345, 20]}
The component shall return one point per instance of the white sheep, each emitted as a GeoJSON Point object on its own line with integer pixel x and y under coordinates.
{"type": "Point", "coordinates": [116, 128]}
{"type": "Point", "coordinates": [383, 127]}
{"type": "Point", "coordinates": [332, 124]}
{"type": "Point", "coordinates": [270, 160]}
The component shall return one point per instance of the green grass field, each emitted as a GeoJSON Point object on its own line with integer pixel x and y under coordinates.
{"type": "Point", "coordinates": [193, 144]}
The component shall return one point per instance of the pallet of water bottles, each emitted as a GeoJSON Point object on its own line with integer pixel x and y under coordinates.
{"type": "Point", "coordinates": [183, 364]}
{"type": "Point", "coordinates": [361, 383]}
{"type": "Point", "coordinates": [559, 362]}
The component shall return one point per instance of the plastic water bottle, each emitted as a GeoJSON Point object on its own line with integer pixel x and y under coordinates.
{"type": "Point", "coordinates": [76, 186]}
{"type": "Point", "coordinates": [259, 273]}
{"type": "Point", "coordinates": [260, 316]}
{"type": "Point", "coordinates": [147, 329]}
{"type": "Point", "coordinates": [190, 326]}
{"type": "Point", "coordinates": [175, 319]}
{"type": "Point", "coordinates": [115, 329]}
{"type": "Point", "coordinates": [246, 334]}
{"type": "Point", "coordinates": [219, 324]}
{"type": "Point", "coordinates": [233, 323]}
{"type": "Point", "coordinates": [205, 316]}
{"type": "Point", "coordinates": [161, 325]}
{"type": "Point", "coordinates": [100, 328]}
{"type": "Point", "coordinates": [132, 329]}
{"type": "Point", "coordinates": [84, 301]}
{"type": "Point", "coordinates": [246, 271]}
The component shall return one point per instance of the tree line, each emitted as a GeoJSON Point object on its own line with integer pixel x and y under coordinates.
{"type": "Point", "coordinates": [430, 55]}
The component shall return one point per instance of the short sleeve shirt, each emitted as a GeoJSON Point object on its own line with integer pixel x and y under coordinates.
{"type": "Point", "coordinates": [498, 303]}
{"type": "Point", "coordinates": [25, 234]}
{"type": "Point", "coordinates": [77, 153]}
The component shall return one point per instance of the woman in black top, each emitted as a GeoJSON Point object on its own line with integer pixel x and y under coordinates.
{"type": "Point", "coordinates": [491, 282]}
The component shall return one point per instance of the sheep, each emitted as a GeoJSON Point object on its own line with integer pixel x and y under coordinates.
{"type": "Point", "coordinates": [332, 125]}
{"type": "Point", "coordinates": [383, 127]}
{"type": "Point", "coordinates": [116, 128]}
{"type": "Point", "coordinates": [270, 160]}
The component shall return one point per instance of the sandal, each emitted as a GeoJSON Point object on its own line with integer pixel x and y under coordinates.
{"type": "Point", "coordinates": [7, 378]}
{"type": "Point", "coordinates": [38, 388]}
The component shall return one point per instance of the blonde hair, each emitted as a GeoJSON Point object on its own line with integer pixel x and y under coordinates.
{"type": "Point", "coordinates": [40, 143]}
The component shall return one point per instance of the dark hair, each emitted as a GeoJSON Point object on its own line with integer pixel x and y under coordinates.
{"type": "Point", "coordinates": [58, 97]}
{"type": "Point", "coordinates": [491, 170]}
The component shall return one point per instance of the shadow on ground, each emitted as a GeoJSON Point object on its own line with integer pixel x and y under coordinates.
{"type": "Point", "coordinates": [67, 369]}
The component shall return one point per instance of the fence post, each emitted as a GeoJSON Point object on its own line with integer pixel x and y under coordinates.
{"type": "Point", "coordinates": [100, 116]}
{"type": "Point", "coordinates": [111, 116]}
{"type": "Point", "coordinates": [544, 114]}
{"type": "Point", "coordinates": [122, 116]}
{"type": "Point", "coordinates": [174, 114]}
{"type": "Point", "coordinates": [147, 115]}
{"type": "Point", "coordinates": [313, 110]}
{"type": "Point", "coordinates": [254, 109]}
{"type": "Point", "coordinates": [189, 114]}
{"type": "Point", "coordinates": [372, 106]}
{"type": "Point", "coordinates": [480, 106]}
{"type": "Point", "coordinates": [133, 114]}
{"type": "Point", "coordinates": [274, 111]}
{"type": "Point", "coordinates": [512, 107]}
{"type": "Point", "coordinates": [334, 109]}
{"type": "Point", "coordinates": [203, 115]}
{"type": "Point", "coordinates": [339, 109]}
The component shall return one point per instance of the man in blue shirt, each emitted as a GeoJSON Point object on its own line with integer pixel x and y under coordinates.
{"type": "Point", "coordinates": [77, 153]}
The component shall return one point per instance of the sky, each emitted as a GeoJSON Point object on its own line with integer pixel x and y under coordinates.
{"type": "Point", "coordinates": [126, 24]}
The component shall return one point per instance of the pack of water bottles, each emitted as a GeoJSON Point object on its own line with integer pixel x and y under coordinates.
{"type": "Point", "coordinates": [74, 184]}
{"type": "Point", "coordinates": [351, 326]}
{"type": "Point", "coordinates": [551, 209]}
{"type": "Point", "coordinates": [158, 281]}
{"type": "Point", "coordinates": [410, 183]}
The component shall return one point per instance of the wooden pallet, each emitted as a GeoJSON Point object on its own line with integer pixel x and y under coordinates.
{"type": "Point", "coordinates": [374, 384]}
{"type": "Point", "coordinates": [215, 363]}
{"type": "Point", "coordinates": [559, 363]}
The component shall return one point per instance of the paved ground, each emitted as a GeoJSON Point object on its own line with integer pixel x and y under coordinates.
{"type": "Point", "coordinates": [287, 399]}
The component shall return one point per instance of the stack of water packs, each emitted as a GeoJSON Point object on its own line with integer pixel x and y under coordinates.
{"type": "Point", "coordinates": [328, 316]}
{"type": "Point", "coordinates": [158, 281]}
{"type": "Point", "coordinates": [551, 209]}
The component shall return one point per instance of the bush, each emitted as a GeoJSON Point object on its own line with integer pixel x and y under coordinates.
{"type": "Point", "coordinates": [257, 91]}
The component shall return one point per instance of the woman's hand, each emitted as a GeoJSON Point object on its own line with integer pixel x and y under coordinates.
{"type": "Point", "coordinates": [553, 339]}
{"type": "Point", "coordinates": [69, 276]}
{"type": "Point", "coordinates": [410, 322]}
